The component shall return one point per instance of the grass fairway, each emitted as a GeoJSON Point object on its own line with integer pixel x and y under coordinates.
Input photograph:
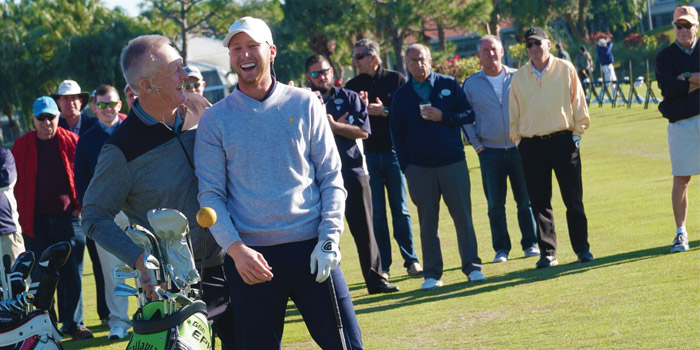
{"type": "Point", "coordinates": [634, 295]}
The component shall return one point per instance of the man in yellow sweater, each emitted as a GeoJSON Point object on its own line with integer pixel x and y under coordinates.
{"type": "Point", "coordinates": [548, 115]}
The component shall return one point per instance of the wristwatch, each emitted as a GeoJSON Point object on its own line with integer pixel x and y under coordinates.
{"type": "Point", "coordinates": [386, 110]}
{"type": "Point", "coordinates": [687, 76]}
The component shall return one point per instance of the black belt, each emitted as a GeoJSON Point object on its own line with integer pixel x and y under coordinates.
{"type": "Point", "coordinates": [552, 135]}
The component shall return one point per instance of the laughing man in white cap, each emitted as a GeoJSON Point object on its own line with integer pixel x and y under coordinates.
{"type": "Point", "coordinates": [267, 164]}
{"type": "Point", "coordinates": [71, 101]}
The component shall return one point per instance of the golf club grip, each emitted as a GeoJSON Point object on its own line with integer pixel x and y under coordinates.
{"type": "Point", "coordinates": [45, 291]}
{"type": "Point", "coordinates": [334, 302]}
{"type": "Point", "coordinates": [17, 283]}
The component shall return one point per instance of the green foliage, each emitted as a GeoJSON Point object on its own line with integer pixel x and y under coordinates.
{"type": "Point", "coordinates": [458, 67]}
{"type": "Point", "coordinates": [519, 53]}
{"type": "Point", "coordinates": [638, 49]}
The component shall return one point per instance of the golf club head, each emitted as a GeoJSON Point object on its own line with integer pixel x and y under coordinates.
{"type": "Point", "coordinates": [125, 290]}
{"type": "Point", "coordinates": [163, 294]}
{"type": "Point", "coordinates": [168, 224]}
{"type": "Point", "coordinates": [183, 300]}
{"type": "Point", "coordinates": [123, 271]}
{"type": "Point", "coordinates": [193, 276]}
{"type": "Point", "coordinates": [24, 264]}
{"type": "Point", "coordinates": [51, 260]}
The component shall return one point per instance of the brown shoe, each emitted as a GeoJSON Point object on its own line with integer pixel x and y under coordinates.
{"type": "Point", "coordinates": [415, 269]}
{"type": "Point", "coordinates": [81, 333]}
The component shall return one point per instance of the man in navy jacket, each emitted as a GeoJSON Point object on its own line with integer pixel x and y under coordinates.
{"type": "Point", "coordinates": [426, 119]}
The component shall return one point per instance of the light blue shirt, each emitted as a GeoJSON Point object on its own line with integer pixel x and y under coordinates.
{"type": "Point", "coordinates": [539, 73]}
{"type": "Point", "coordinates": [110, 129]}
{"type": "Point", "coordinates": [148, 120]}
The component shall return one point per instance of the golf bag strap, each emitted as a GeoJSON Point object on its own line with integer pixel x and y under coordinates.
{"type": "Point", "coordinates": [174, 320]}
{"type": "Point", "coordinates": [36, 323]}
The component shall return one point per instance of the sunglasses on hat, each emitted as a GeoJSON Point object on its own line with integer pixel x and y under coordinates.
{"type": "Point", "coordinates": [45, 116]}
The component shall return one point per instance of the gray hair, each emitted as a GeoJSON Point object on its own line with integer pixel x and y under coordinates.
{"type": "Point", "coordinates": [419, 47]}
{"type": "Point", "coordinates": [372, 48]}
{"type": "Point", "coordinates": [135, 58]}
{"type": "Point", "coordinates": [492, 38]}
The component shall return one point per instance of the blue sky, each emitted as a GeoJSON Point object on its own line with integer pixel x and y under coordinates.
{"type": "Point", "coordinates": [131, 6]}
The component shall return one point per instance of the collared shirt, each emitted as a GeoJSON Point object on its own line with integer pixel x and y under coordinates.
{"type": "Point", "coordinates": [110, 129]}
{"type": "Point", "coordinates": [424, 89]}
{"type": "Point", "coordinates": [148, 120]}
{"type": "Point", "coordinates": [687, 51]}
{"type": "Point", "coordinates": [539, 73]}
{"type": "Point", "coordinates": [76, 128]}
{"type": "Point", "coordinates": [343, 101]}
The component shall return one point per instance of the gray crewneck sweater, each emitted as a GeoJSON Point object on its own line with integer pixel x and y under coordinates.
{"type": "Point", "coordinates": [270, 169]}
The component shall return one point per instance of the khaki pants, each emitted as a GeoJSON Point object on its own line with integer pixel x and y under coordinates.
{"type": "Point", "coordinates": [12, 245]}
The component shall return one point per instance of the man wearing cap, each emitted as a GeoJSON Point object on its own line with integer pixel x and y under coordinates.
{"type": "Point", "coordinates": [195, 81]}
{"type": "Point", "coordinates": [48, 206]}
{"type": "Point", "coordinates": [268, 165]}
{"type": "Point", "coordinates": [548, 115]}
{"type": "Point", "coordinates": [71, 101]}
{"type": "Point", "coordinates": [678, 76]}
{"type": "Point", "coordinates": [147, 163]}
{"type": "Point", "coordinates": [487, 92]}
{"type": "Point", "coordinates": [426, 119]}
{"type": "Point", "coordinates": [605, 56]}
{"type": "Point", "coordinates": [107, 105]}
{"type": "Point", "coordinates": [347, 115]}
{"type": "Point", "coordinates": [376, 85]}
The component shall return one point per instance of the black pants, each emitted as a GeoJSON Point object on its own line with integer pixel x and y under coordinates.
{"type": "Point", "coordinates": [539, 157]}
{"type": "Point", "coordinates": [102, 310]}
{"type": "Point", "coordinates": [216, 296]}
{"type": "Point", "coordinates": [358, 214]}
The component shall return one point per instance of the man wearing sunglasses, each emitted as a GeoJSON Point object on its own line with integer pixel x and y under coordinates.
{"type": "Point", "coordinates": [195, 81]}
{"type": "Point", "coordinates": [548, 115]}
{"type": "Point", "coordinates": [71, 101]}
{"type": "Point", "coordinates": [347, 116]}
{"type": "Point", "coordinates": [48, 206]}
{"type": "Point", "coordinates": [376, 86]}
{"type": "Point", "coordinates": [678, 76]}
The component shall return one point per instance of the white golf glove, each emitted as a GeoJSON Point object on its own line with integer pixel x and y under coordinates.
{"type": "Point", "coordinates": [325, 257]}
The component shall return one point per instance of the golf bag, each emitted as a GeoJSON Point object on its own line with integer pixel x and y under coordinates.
{"type": "Point", "coordinates": [185, 329]}
{"type": "Point", "coordinates": [37, 331]}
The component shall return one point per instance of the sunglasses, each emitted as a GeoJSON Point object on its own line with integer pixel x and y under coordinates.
{"type": "Point", "coordinates": [319, 72]}
{"type": "Point", "coordinates": [680, 26]}
{"type": "Point", "coordinates": [360, 56]}
{"type": "Point", "coordinates": [103, 105]}
{"type": "Point", "coordinates": [45, 116]}
{"type": "Point", "coordinates": [191, 86]}
{"type": "Point", "coordinates": [530, 43]}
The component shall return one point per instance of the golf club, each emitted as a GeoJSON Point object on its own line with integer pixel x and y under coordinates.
{"type": "Point", "coordinates": [20, 271]}
{"type": "Point", "coordinates": [336, 311]}
{"type": "Point", "coordinates": [124, 272]}
{"type": "Point", "coordinates": [125, 290]}
{"type": "Point", "coordinates": [45, 276]}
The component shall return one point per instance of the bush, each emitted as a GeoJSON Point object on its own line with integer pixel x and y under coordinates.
{"type": "Point", "coordinates": [458, 67]}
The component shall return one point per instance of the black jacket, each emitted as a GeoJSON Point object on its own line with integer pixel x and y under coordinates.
{"type": "Point", "coordinates": [677, 104]}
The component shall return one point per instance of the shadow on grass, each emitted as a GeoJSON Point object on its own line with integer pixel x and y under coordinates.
{"type": "Point", "coordinates": [510, 279]}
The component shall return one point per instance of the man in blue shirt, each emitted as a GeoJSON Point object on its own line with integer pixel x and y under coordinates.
{"type": "Point", "coordinates": [349, 122]}
{"type": "Point", "coordinates": [426, 119]}
{"type": "Point", "coordinates": [488, 91]}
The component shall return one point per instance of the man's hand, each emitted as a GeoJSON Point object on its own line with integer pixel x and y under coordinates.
{"type": "Point", "coordinates": [431, 113]}
{"type": "Point", "coordinates": [376, 108]}
{"type": "Point", "coordinates": [325, 258]}
{"type": "Point", "coordinates": [364, 97]}
{"type": "Point", "coordinates": [577, 141]}
{"type": "Point", "coordinates": [480, 149]}
{"type": "Point", "coordinates": [145, 280]}
{"type": "Point", "coordinates": [250, 264]}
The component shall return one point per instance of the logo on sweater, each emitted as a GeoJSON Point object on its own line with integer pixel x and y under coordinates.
{"type": "Point", "coordinates": [291, 120]}
{"type": "Point", "coordinates": [445, 92]}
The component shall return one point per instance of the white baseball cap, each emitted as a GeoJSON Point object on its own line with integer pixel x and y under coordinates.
{"type": "Point", "coordinates": [255, 27]}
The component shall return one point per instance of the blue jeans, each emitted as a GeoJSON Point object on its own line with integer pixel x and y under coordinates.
{"type": "Point", "coordinates": [496, 166]}
{"type": "Point", "coordinates": [49, 230]}
{"type": "Point", "coordinates": [384, 171]}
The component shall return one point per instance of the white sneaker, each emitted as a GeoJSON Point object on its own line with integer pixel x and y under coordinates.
{"type": "Point", "coordinates": [116, 333]}
{"type": "Point", "coordinates": [501, 257]}
{"type": "Point", "coordinates": [680, 244]}
{"type": "Point", "coordinates": [430, 283]}
{"type": "Point", "coordinates": [532, 251]}
{"type": "Point", "coordinates": [476, 276]}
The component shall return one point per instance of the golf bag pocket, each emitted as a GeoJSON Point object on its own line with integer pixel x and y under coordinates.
{"type": "Point", "coordinates": [185, 329]}
{"type": "Point", "coordinates": [35, 332]}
